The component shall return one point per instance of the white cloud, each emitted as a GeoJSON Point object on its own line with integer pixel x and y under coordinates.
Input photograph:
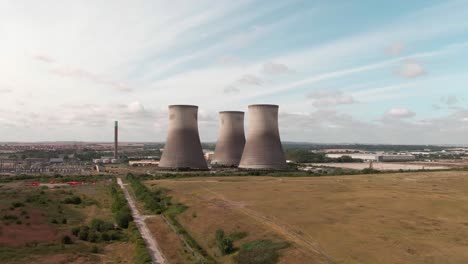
{"type": "Point", "coordinates": [136, 107]}
{"type": "Point", "coordinates": [399, 113]}
{"type": "Point", "coordinates": [411, 69]}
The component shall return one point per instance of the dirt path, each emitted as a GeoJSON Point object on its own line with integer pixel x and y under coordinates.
{"type": "Point", "coordinates": [139, 220]}
{"type": "Point", "coordinates": [283, 229]}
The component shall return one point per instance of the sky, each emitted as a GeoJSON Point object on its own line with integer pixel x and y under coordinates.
{"type": "Point", "coordinates": [393, 72]}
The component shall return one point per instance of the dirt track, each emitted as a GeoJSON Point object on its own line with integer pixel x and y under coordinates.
{"type": "Point", "coordinates": [139, 220]}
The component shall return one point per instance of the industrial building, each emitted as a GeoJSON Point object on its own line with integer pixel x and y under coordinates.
{"type": "Point", "coordinates": [396, 158]}
{"type": "Point", "coordinates": [263, 149]}
{"type": "Point", "coordinates": [362, 156]}
{"type": "Point", "coordinates": [183, 148]}
{"type": "Point", "coordinates": [381, 157]}
{"type": "Point", "coordinates": [231, 139]}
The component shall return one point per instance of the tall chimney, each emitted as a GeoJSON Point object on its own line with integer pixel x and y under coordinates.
{"type": "Point", "coordinates": [116, 140]}
{"type": "Point", "coordinates": [183, 148]}
{"type": "Point", "coordinates": [231, 138]}
{"type": "Point", "coordinates": [263, 148]}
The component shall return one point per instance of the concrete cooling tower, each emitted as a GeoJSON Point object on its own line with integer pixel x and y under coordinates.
{"type": "Point", "coordinates": [263, 148]}
{"type": "Point", "coordinates": [183, 148]}
{"type": "Point", "coordinates": [231, 139]}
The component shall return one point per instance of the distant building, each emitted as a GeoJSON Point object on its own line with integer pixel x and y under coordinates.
{"type": "Point", "coordinates": [143, 163]}
{"type": "Point", "coordinates": [362, 156]}
{"type": "Point", "coordinates": [396, 158]}
{"type": "Point", "coordinates": [381, 157]}
{"type": "Point", "coordinates": [56, 160]}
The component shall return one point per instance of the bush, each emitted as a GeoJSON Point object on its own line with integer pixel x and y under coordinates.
{"type": "Point", "coordinates": [84, 233]}
{"type": "Point", "coordinates": [75, 231]}
{"type": "Point", "coordinates": [225, 244]}
{"type": "Point", "coordinates": [123, 218]}
{"type": "Point", "coordinates": [105, 237]}
{"type": "Point", "coordinates": [17, 204]}
{"type": "Point", "coordinates": [259, 252]}
{"type": "Point", "coordinates": [72, 200]}
{"type": "Point", "coordinates": [10, 217]}
{"type": "Point", "coordinates": [120, 209]}
{"type": "Point", "coordinates": [93, 236]}
{"type": "Point", "coordinates": [101, 226]}
{"type": "Point", "coordinates": [66, 240]}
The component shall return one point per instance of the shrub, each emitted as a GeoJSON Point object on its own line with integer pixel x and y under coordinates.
{"type": "Point", "coordinates": [114, 235]}
{"type": "Point", "coordinates": [93, 236]}
{"type": "Point", "coordinates": [54, 221]}
{"type": "Point", "coordinates": [10, 217]}
{"type": "Point", "coordinates": [72, 200]}
{"type": "Point", "coordinates": [259, 252]}
{"type": "Point", "coordinates": [225, 244]}
{"type": "Point", "coordinates": [101, 226]}
{"type": "Point", "coordinates": [123, 218]}
{"type": "Point", "coordinates": [64, 221]}
{"type": "Point", "coordinates": [105, 237]}
{"type": "Point", "coordinates": [66, 240]}
{"type": "Point", "coordinates": [75, 231]}
{"type": "Point", "coordinates": [17, 204]}
{"type": "Point", "coordinates": [84, 233]}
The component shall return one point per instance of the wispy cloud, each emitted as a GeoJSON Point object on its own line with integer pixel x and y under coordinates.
{"type": "Point", "coordinates": [272, 68]}
{"type": "Point", "coordinates": [330, 99]}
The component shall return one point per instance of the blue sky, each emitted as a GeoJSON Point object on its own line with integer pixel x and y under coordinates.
{"type": "Point", "coordinates": [341, 71]}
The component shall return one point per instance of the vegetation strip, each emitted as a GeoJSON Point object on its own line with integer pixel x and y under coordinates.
{"type": "Point", "coordinates": [156, 253]}
{"type": "Point", "coordinates": [159, 202]}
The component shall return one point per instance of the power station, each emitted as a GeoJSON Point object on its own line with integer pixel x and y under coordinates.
{"type": "Point", "coordinates": [263, 149]}
{"type": "Point", "coordinates": [231, 139]}
{"type": "Point", "coordinates": [183, 148]}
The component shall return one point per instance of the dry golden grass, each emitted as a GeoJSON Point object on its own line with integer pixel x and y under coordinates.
{"type": "Point", "coordinates": [169, 243]}
{"type": "Point", "coordinates": [391, 218]}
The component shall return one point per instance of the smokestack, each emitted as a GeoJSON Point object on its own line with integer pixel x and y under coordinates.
{"type": "Point", "coordinates": [116, 139]}
{"type": "Point", "coordinates": [263, 148]}
{"type": "Point", "coordinates": [183, 148]}
{"type": "Point", "coordinates": [231, 138]}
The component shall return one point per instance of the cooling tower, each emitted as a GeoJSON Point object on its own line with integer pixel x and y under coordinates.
{"type": "Point", "coordinates": [263, 148]}
{"type": "Point", "coordinates": [183, 148]}
{"type": "Point", "coordinates": [231, 138]}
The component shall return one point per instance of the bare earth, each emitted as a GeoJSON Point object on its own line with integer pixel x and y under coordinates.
{"type": "Point", "coordinates": [391, 218]}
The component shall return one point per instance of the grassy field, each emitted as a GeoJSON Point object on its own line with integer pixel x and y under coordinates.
{"type": "Point", "coordinates": [390, 218]}
{"type": "Point", "coordinates": [34, 221]}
